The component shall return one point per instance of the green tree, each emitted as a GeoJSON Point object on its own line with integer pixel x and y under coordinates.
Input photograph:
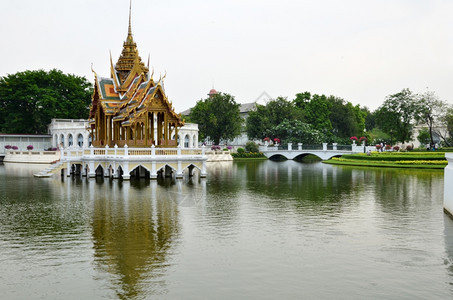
{"type": "Point", "coordinates": [396, 115]}
{"type": "Point", "coordinates": [430, 110]}
{"type": "Point", "coordinates": [424, 136]}
{"type": "Point", "coordinates": [261, 122]}
{"type": "Point", "coordinates": [317, 113]}
{"type": "Point", "coordinates": [370, 118]}
{"type": "Point", "coordinates": [302, 99]}
{"type": "Point", "coordinates": [30, 99]}
{"type": "Point", "coordinates": [347, 120]}
{"type": "Point", "coordinates": [218, 117]}
{"type": "Point", "coordinates": [295, 131]}
{"type": "Point", "coordinates": [445, 128]}
{"type": "Point", "coordinates": [377, 136]}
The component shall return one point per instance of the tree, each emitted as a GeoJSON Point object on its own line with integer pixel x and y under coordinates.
{"type": "Point", "coordinates": [30, 99]}
{"type": "Point", "coordinates": [218, 117]}
{"type": "Point", "coordinates": [347, 120]}
{"type": "Point", "coordinates": [370, 118]}
{"type": "Point", "coordinates": [317, 113]}
{"type": "Point", "coordinates": [261, 122]}
{"type": "Point", "coordinates": [430, 111]}
{"type": "Point", "coordinates": [445, 130]}
{"type": "Point", "coordinates": [424, 136]}
{"type": "Point", "coordinates": [295, 131]}
{"type": "Point", "coordinates": [396, 115]}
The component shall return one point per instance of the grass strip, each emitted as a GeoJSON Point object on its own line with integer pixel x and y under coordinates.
{"type": "Point", "coordinates": [382, 164]}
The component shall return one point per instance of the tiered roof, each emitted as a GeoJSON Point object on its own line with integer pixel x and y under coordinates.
{"type": "Point", "coordinates": [130, 88]}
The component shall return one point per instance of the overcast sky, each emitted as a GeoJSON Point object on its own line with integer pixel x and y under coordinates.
{"type": "Point", "coordinates": [360, 50]}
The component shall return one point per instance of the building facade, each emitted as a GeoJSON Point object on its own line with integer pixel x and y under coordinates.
{"type": "Point", "coordinates": [129, 107]}
{"type": "Point", "coordinates": [70, 133]}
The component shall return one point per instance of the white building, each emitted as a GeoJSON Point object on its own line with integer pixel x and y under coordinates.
{"type": "Point", "coordinates": [74, 133]}
{"type": "Point", "coordinates": [69, 132]}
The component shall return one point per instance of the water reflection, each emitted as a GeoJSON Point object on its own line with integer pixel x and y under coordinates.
{"type": "Point", "coordinates": [370, 233]}
{"type": "Point", "coordinates": [134, 229]}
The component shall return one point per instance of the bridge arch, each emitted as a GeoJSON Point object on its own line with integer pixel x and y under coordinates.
{"type": "Point", "coordinates": [278, 156]}
{"type": "Point", "coordinates": [302, 155]}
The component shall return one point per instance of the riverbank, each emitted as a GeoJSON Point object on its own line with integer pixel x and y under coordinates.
{"type": "Point", "coordinates": [418, 160]}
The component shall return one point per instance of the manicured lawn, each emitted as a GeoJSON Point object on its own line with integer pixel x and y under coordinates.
{"type": "Point", "coordinates": [418, 160]}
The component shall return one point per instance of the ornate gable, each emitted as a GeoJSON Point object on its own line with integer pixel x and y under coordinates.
{"type": "Point", "coordinates": [129, 107]}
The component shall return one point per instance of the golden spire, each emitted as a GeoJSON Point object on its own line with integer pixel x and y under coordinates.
{"type": "Point", "coordinates": [129, 59]}
{"type": "Point", "coordinates": [129, 32]}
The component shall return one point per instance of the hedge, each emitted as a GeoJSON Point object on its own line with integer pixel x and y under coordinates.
{"type": "Point", "coordinates": [248, 155]}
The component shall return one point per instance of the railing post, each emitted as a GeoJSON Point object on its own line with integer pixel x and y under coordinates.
{"type": "Point", "coordinates": [334, 146]}
{"type": "Point", "coordinates": [290, 146]}
{"type": "Point", "coordinates": [153, 150]}
{"type": "Point", "coordinates": [299, 146]}
{"type": "Point", "coordinates": [91, 150]}
{"type": "Point", "coordinates": [179, 151]}
{"type": "Point", "coordinates": [116, 149]}
{"type": "Point", "coordinates": [126, 150]}
{"type": "Point", "coordinates": [106, 152]}
{"type": "Point", "coordinates": [61, 153]}
{"type": "Point", "coordinates": [324, 146]}
{"type": "Point", "coordinates": [203, 150]}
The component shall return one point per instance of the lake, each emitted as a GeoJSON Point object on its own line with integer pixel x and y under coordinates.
{"type": "Point", "coordinates": [250, 230]}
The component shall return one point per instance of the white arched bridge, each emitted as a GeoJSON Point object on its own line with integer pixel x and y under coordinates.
{"type": "Point", "coordinates": [323, 151]}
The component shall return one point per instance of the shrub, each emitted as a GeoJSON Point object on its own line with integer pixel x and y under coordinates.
{"type": "Point", "coordinates": [14, 147]}
{"type": "Point", "coordinates": [215, 147]}
{"type": "Point", "coordinates": [409, 147]}
{"type": "Point", "coordinates": [30, 147]}
{"type": "Point", "coordinates": [388, 147]}
{"type": "Point", "coordinates": [353, 138]}
{"type": "Point", "coordinates": [251, 147]}
{"type": "Point", "coordinates": [378, 146]}
{"type": "Point", "coordinates": [8, 147]}
{"type": "Point", "coordinates": [240, 150]}
{"type": "Point", "coordinates": [396, 148]}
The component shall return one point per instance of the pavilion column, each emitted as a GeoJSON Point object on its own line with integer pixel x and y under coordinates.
{"type": "Point", "coordinates": [135, 134]}
{"type": "Point", "coordinates": [159, 128]}
{"type": "Point", "coordinates": [165, 130]}
{"type": "Point", "coordinates": [117, 131]}
{"type": "Point", "coordinates": [146, 129]}
{"type": "Point", "coordinates": [97, 127]}
{"type": "Point", "coordinates": [105, 130]}
{"type": "Point", "coordinates": [152, 127]}
{"type": "Point", "coordinates": [176, 134]}
{"type": "Point", "coordinates": [109, 128]}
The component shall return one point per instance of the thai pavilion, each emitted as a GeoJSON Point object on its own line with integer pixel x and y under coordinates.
{"type": "Point", "coordinates": [130, 108]}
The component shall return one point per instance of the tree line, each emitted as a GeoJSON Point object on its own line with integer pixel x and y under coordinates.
{"type": "Point", "coordinates": [313, 119]}
{"type": "Point", "coordinates": [30, 99]}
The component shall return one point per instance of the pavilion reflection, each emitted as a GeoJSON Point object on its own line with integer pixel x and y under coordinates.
{"type": "Point", "coordinates": [134, 231]}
